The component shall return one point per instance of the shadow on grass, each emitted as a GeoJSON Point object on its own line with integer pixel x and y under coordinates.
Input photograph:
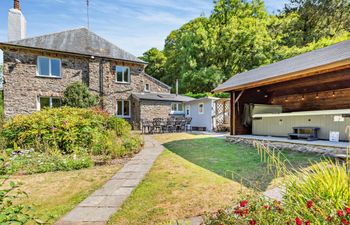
{"type": "Point", "coordinates": [237, 162]}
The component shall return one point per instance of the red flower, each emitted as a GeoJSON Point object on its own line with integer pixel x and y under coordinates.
{"type": "Point", "coordinates": [344, 221]}
{"type": "Point", "coordinates": [309, 204]}
{"type": "Point", "coordinates": [243, 203]}
{"type": "Point", "coordinates": [347, 209]}
{"type": "Point", "coordinates": [340, 213]}
{"type": "Point", "coordinates": [267, 207]}
{"type": "Point", "coordinates": [307, 222]}
{"type": "Point", "coordinates": [246, 211]}
{"type": "Point", "coordinates": [252, 222]}
{"type": "Point", "coordinates": [298, 221]}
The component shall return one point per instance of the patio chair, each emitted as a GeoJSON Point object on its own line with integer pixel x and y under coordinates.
{"type": "Point", "coordinates": [188, 123]}
{"type": "Point", "coordinates": [146, 125]}
{"type": "Point", "coordinates": [158, 124]}
{"type": "Point", "coordinates": [170, 125]}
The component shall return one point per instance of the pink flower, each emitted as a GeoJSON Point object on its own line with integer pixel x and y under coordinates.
{"type": "Point", "coordinates": [344, 222]}
{"type": "Point", "coordinates": [243, 203]}
{"type": "Point", "coordinates": [307, 222]}
{"type": "Point", "coordinates": [298, 221]}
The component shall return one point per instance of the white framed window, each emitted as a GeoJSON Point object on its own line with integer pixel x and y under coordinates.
{"type": "Point", "coordinates": [49, 67]}
{"type": "Point", "coordinates": [201, 108]}
{"type": "Point", "coordinates": [188, 110]}
{"type": "Point", "coordinates": [147, 88]}
{"type": "Point", "coordinates": [123, 108]}
{"type": "Point", "coordinates": [177, 107]}
{"type": "Point", "coordinates": [48, 102]}
{"type": "Point", "coordinates": [122, 74]}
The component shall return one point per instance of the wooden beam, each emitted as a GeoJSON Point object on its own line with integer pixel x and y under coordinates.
{"type": "Point", "coordinates": [239, 96]}
{"type": "Point", "coordinates": [233, 113]}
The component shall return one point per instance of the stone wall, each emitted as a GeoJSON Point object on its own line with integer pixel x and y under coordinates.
{"type": "Point", "coordinates": [154, 109]}
{"type": "Point", "coordinates": [22, 85]}
{"type": "Point", "coordinates": [318, 149]}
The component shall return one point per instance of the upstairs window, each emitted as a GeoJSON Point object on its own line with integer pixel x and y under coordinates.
{"type": "Point", "coordinates": [122, 74]}
{"type": "Point", "coordinates": [123, 108]}
{"type": "Point", "coordinates": [49, 67]}
{"type": "Point", "coordinates": [48, 102]}
{"type": "Point", "coordinates": [147, 88]}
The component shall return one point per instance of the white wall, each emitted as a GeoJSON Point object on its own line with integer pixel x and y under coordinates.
{"type": "Point", "coordinates": [205, 119]}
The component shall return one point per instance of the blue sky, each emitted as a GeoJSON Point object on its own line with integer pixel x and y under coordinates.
{"type": "Point", "coordinates": [134, 25]}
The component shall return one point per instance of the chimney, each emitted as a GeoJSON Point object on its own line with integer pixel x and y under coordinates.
{"type": "Point", "coordinates": [16, 23]}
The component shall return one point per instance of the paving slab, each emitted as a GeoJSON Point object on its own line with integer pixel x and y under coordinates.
{"type": "Point", "coordinates": [104, 202]}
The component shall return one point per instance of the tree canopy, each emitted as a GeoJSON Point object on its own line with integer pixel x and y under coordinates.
{"type": "Point", "coordinates": [241, 35]}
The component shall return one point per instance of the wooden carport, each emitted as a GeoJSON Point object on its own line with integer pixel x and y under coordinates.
{"type": "Point", "coordinates": [318, 80]}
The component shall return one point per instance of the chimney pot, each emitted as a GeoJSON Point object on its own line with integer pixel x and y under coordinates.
{"type": "Point", "coordinates": [16, 5]}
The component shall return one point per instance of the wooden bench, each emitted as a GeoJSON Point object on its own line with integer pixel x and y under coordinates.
{"type": "Point", "coordinates": [309, 133]}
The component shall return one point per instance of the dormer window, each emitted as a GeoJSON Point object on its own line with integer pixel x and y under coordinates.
{"type": "Point", "coordinates": [122, 74]}
{"type": "Point", "coordinates": [48, 67]}
{"type": "Point", "coordinates": [147, 88]}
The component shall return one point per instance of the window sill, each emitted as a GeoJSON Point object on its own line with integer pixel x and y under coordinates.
{"type": "Point", "coordinates": [117, 82]}
{"type": "Point", "coordinates": [53, 77]}
{"type": "Point", "coordinates": [124, 117]}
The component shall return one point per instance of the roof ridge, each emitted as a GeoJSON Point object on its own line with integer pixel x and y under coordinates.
{"type": "Point", "coordinates": [49, 34]}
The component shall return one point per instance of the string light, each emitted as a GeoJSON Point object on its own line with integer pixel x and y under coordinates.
{"type": "Point", "coordinates": [317, 97]}
{"type": "Point", "coordinates": [286, 100]}
{"type": "Point", "coordinates": [333, 94]}
{"type": "Point", "coordinates": [303, 98]}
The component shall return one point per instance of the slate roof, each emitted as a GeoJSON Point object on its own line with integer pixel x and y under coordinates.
{"type": "Point", "coordinates": [80, 41]}
{"type": "Point", "coordinates": [321, 57]}
{"type": "Point", "coordinates": [162, 97]}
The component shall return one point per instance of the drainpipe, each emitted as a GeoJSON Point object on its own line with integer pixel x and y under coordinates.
{"type": "Point", "coordinates": [101, 81]}
{"type": "Point", "coordinates": [177, 87]}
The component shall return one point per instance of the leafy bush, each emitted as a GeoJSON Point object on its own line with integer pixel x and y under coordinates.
{"type": "Point", "coordinates": [10, 211]}
{"type": "Point", "coordinates": [78, 95]}
{"type": "Point", "coordinates": [207, 94]}
{"type": "Point", "coordinates": [66, 129]}
{"type": "Point", "coordinates": [120, 126]}
{"type": "Point", "coordinates": [34, 162]}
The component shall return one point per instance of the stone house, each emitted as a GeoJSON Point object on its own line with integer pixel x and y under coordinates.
{"type": "Point", "coordinates": [37, 71]}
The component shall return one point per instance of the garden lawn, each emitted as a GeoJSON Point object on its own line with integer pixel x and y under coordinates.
{"type": "Point", "coordinates": [240, 163]}
{"type": "Point", "coordinates": [54, 194]}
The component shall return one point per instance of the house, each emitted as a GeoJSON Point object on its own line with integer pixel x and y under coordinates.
{"type": "Point", "coordinates": [37, 71]}
{"type": "Point", "coordinates": [203, 112]}
{"type": "Point", "coordinates": [312, 90]}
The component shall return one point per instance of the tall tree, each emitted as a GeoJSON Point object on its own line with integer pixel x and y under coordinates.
{"type": "Point", "coordinates": [156, 61]}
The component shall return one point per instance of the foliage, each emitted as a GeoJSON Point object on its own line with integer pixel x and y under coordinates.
{"type": "Point", "coordinates": [78, 95]}
{"type": "Point", "coordinates": [241, 35]}
{"type": "Point", "coordinates": [10, 211]}
{"type": "Point", "coordinates": [71, 131]}
{"type": "Point", "coordinates": [207, 94]}
{"type": "Point", "coordinates": [65, 129]}
{"type": "Point", "coordinates": [156, 60]}
{"type": "Point", "coordinates": [34, 162]}
{"type": "Point", "coordinates": [120, 126]}
{"type": "Point", "coordinates": [319, 194]}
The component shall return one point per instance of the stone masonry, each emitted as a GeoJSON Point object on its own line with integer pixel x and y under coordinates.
{"type": "Point", "coordinates": [22, 86]}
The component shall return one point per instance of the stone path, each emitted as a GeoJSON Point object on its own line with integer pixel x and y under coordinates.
{"type": "Point", "coordinates": [103, 203]}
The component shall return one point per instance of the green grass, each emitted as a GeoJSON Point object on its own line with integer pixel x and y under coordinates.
{"type": "Point", "coordinates": [238, 162]}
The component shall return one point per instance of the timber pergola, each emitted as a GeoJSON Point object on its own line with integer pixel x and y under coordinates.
{"type": "Point", "coordinates": [317, 80]}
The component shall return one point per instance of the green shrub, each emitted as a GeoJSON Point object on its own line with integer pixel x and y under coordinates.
{"type": "Point", "coordinates": [10, 211]}
{"type": "Point", "coordinates": [78, 95]}
{"type": "Point", "coordinates": [35, 162]}
{"type": "Point", "coordinates": [66, 129]}
{"type": "Point", "coordinates": [120, 126]}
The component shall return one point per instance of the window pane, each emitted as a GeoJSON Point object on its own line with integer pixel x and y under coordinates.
{"type": "Point", "coordinates": [44, 66]}
{"type": "Point", "coordinates": [44, 102]}
{"type": "Point", "coordinates": [56, 103]}
{"type": "Point", "coordinates": [119, 71]}
{"type": "Point", "coordinates": [180, 107]}
{"type": "Point", "coordinates": [173, 107]}
{"type": "Point", "coordinates": [56, 67]}
{"type": "Point", "coordinates": [126, 74]}
{"type": "Point", "coordinates": [119, 108]}
{"type": "Point", "coordinates": [126, 108]}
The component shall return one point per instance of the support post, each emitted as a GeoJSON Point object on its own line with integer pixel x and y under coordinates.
{"type": "Point", "coordinates": [233, 113]}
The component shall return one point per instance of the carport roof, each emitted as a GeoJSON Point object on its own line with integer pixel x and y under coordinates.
{"type": "Point", "coordinates": [311, 62]}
